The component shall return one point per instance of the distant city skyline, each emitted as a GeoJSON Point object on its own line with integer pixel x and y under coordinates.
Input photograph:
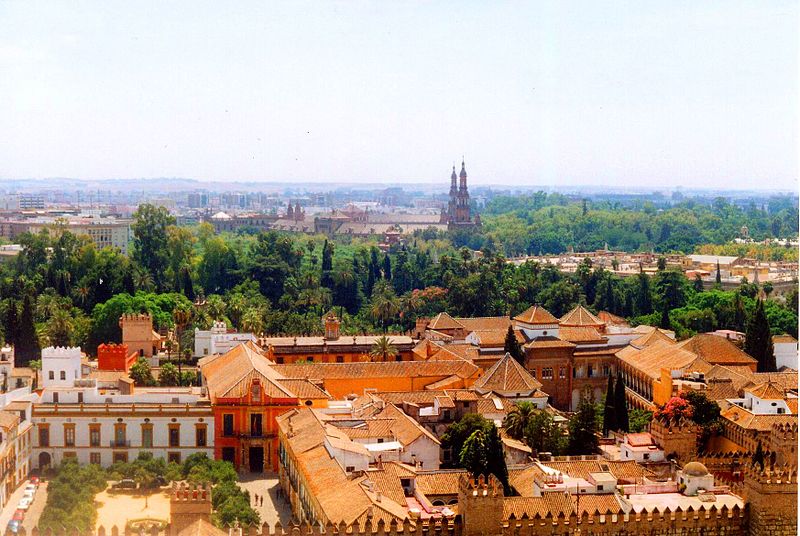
{"type": "Point", "coordinates": [691, 94]}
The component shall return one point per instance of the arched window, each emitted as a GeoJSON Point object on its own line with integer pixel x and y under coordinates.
{"type": "Point", "coordinates": [255, 392]}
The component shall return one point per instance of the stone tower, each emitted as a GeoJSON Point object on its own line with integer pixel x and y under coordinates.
{"type": "Point", "coordinates": [783, 442]}
{"type": "Point", "coordinates": [480, 503]}
{"type": "Point", "coordinates": [137, 333]}
{"type": "Point", "coordinates": [188, 504]}
{"type": "Point", "coordinates": [331, 323]}
{"type": "Point", "coordinates": [772, 497]}
{"type": "Point", "coordinates": [679, 441]}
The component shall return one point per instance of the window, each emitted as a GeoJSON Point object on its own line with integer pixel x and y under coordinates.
{"type": "Point", "coordinates": [349, 468]}
{"type": "Point", "coordinates": [120, 457]}
{"type": "Point", "coordinates": [63, 375]}
{"type": "Point", "coordinates": [51, 375]}
{"type": "Point", "coordinates": [147, 436]}
{"type": "Point", "coordinates": [591, 371]}
{"type": "Point", "coordinates": [55, 398]}
{"type": "Point", "coordinates": [340, 359]}
{"type": "Point", "coordinates": [174, 435]}
{"type": "Point", "coordinates": [279, 360]}
{"type": "Point", "coordinates": [606, 370]}
{"type": "Point", "coordinates": [533, 372]}
{"type": "Point", "coordinates": [44, 436]}
{"type": "Point", "coordinates": [255, 392]}
{"type": "Point", "coordinates": [599, 487]}
{"type": "Point", "coordinates": [562, 373]}
{"type": "Point", "coordinates": [94, 457]}
{"type": "Point", "coordinates": [174, 457]}
{"type": "Point", "coordinates": [94, 435]}
{"type": "Point", "coordinates": [547, 373]}
{"type": "Point", "coordinates": [80, 398]}
{"type": "Point", "coordinates": [447, 414]}
{"type": "Point", "coordinates": [119, 435]}
{"type": "Point", "coordinates": [646, 456]}
{"type": "Point", "coordinates": [255, 425]}
{"type": "Point", "coordinates": [227, 424]}
{"type": "Point", "coordinates": [398, 357]}
{"type": "Point", "coordinates": [200, 436]}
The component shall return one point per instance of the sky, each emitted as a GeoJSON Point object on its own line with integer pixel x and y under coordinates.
{"type": "Point", "coordinates": [661, 94]}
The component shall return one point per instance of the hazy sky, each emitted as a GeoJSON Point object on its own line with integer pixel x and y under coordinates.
{"type": "Point", "coordinates": [626, 93]}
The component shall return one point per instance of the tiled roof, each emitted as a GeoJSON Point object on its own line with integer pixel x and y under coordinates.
{"type": "Point", "coordinates": [202, 527]}
{"type": "Point", "coordinates": [386, 479]}
{"type": "Point", "coordinates": [612, 319]}
{"type": "Point", "coordinates": [787, 380]}
{"type": "Point", "coordinates": [642, 439]}
{"type": "Point", "coordinates": [549, 342]}
{"type": "Point", "coordinates": [651, 359]}
{"type": "Point", "coordinates": [785, 338]}
{"type": "Point", "coordinates": [717, 350]}
{"type": "Point", "coordinates": [751, 421]}
{"type": "Point", "coordinates": [597, 503]}
{"type": "Point", "coordinates": [554, 503]}
{"type": "Point", "coordinates": [495, 338]}
{"type": "Point", "coordinates": [425, 397]}
{"type": "Point", "coordinates": [303, 388]}
{"type": "Point", "coordinates": [485, 323]}
{"type": "Point", "coordinates": [580, 334]}
{"type": "Point", "coordinates": [767, 391]}
{"type": "Point", "coordinates": [440, 482]}
{"type": "Point", "coordinates": [622, 470]}
{"type": "Point", "coordinates": [490, 405]}
{"type": "Point", "coordinates": [444, 321]}
{"type": "Point", "coordinates": [231, 374]}
{"type": "Point", "coordinates": [8, 420]}
{"type": "Point", "coordinates": [405, 429]}
{"type": "Point", "coordinates": [280, 344]}
{"type": "Point", "coordinates": [523, 477]}
{"type": "Point", "coordinates": [653, 336]}
{"type": "Point", "coordinates": [507, 375]}
{"type": "Point", "coordinates": [535, 315]}
{"type": "Point", "coordinates": [580, 316]}
{"type": "Point", "coordinates": [321, 371]}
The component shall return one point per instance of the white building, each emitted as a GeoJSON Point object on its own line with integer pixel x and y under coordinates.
{"type": "Point", "coordinates": [785, 351]}
{"type": "Point", "coordinates": [764, 399]}
{"type": "Point", "coordinates": [640, 447]}
{"type": "Point", "coordinates": [60, 366]}
{"type": "Point", "coordinates": [103, 426]}
{"type": "Point", "coordinates": [217, 340]}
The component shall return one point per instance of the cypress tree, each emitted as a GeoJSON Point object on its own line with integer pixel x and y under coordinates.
{"type": "Point", "coordinates": [186, 283]}
{"type": "Point", "coordinates": [387, 267]}
{"type": "Point", "coordinates": [718, 278]}
{"type": "Point", "coordinates": [758, 340]}
{"type": "Point", "coordinates": [621, 404]}
{"type": "Point", "coordinates": [11, 323]}
{"type": "Point", "coordinates": [326, 278]}
{"type": "Point", "coordinates": [512, 346]}
{"type": "Point", "coordinates": [609, 417]}
{"type": "Point", "coordinates": [27, 345]}
{"type": "Point", "coordinates": [698, 283]}
{"type": "Point", "coordinates": [582, 437]}
{"type": "Point", "coordinates": [496, 459]}
{"type": "Point", "coordinates": [665, 323]}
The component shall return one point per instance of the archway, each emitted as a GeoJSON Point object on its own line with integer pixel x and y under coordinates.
{"type": "Point", "coordinates": [44, 460]}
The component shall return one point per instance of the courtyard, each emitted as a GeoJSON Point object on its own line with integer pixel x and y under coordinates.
{"type": "Point", "coordinates": [119, 508]}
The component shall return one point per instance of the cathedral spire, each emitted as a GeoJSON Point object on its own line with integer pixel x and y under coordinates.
{"type": "Point", "coordinates": [453, 185]}
{"type": "Point", "coordinates": [463, 175]}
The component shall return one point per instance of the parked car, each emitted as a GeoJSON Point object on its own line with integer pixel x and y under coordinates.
{"type": "Point", "coordinates": [19, 515]}
{"type": "Point", "coordinates": [125, 483]}
{"type": "Point", "coordinates": [13, 526]}
{"type": "Point", "coordinates": [24, 503]}
{"type": "Point", "coordinates": [35, 480]}
{"type": "Point", "coordinates": [31, 487]}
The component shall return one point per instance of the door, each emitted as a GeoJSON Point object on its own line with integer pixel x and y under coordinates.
{"type": "Point", "coordinates": [229, 454]}
{"type": "Point", "coordinates": [256, 459]}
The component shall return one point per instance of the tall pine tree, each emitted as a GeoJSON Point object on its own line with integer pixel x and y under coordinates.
{"type": "Point", "coordinates": [11, 323]}
{"type": "Point", "coordinates": [27, 348]}
{"type": "Point", "coordinates": [609, 417]}
{"type": "Point", "coordinates": [387, 267]}
{"type": "Point", "coordinates": [621, 404]}
{"type": "Point", "coordinates": [758, 340]}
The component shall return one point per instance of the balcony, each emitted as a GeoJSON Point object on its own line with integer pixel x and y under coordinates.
{"type": "Point", "coordinates": [119, 443]}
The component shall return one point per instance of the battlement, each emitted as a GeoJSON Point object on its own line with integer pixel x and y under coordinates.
{"type": "Point", "coordinates": [61, 352]}
{"type": "Point", "coordinates": [135, 317]}
{"type": "Point", "coordinates": [480, 487]}
{"type": "Point", "coordinates": [773, 476]}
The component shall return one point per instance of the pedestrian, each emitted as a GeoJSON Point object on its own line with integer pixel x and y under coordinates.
{"type": "Point", "coordinates": [262, 501]}
{"type": "Point", "coordinates": [256, 502]}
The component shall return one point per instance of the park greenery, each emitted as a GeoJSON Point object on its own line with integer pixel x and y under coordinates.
{"type": "Point", "coordinates": [71, 490]}
{"type": "Point", "coordinates": [62, 290]}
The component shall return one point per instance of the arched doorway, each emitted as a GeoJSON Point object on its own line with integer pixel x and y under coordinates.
{"type": "Point", "coordinates": [44, 460]}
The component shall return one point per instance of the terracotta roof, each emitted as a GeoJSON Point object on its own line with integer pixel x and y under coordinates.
{"type": "Point", "coordinates": [495, 338]}
{"type": "Point", "coordinates": [440, 482]}
{"type": "Point", "coordinates": [490, 405]}
{"type": "Point", "coordinates": [751, 421]}
{"type": "Point", "coordinates": [787, 380]}
{"type": "Point", "coordinates": [8, 420]}
{"type": "Point", "coordinates": [462, 369]}
{"type": "Point", "coordinates": [485, 323]}
{"type": "Point", "coordinates": [303, 388]}
{"type": "Point", "coordinates": [612, 319]}
{"type": "Point", "coordinates": [202, 527]}
{"type": "Point", "coordinates": [622, 470]}
{"type": "Point", "coordinates": [642, 439]}
{"type": "Point", "coordinates": [597, 503]}
{"type": "Point", "coordinates": [580, 334]}
{"type": "Point", "coordinates": [281, 344]}
{"type": "Point", "coordinates": [444, 321]}
{"type": "Point", "coordinates": [535, 315]}
{"type": "Point", "coordinates": [231, 374]}
{"type": "Point", "coordinates": [653, 358]}
{"type": "Point", "coordinates": [425, 397]}
{"type": "Point", "coordinates": [785, 338]}
{"type": "Point", "coordinates": [767, 391]}
{"type": "Point", "coordinates": [653, 336]}
{"type": "Point", "coordinates": [549, 503]}
{"type": "Point", "coordinates": [717, 350]}
{"type": "Point", "coordinates": [580, 316]}
{"type": "Point", "coordinates": [549, 342]}
{"type": "Point", "coordinates": [523, 477]}
{"type": "Point", "coordinates": [386, 479]}
{"type": "Point", "coordinates": [405, 429]}
{"type": "Point", "coordinates": [507, 375]}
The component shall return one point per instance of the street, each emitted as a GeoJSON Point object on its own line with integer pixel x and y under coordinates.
{"type": "Point", "coordinates": [33, 513]}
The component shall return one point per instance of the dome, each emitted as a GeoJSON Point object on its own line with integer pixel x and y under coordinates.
{"type": "Point", "coordinates": [695, 469]}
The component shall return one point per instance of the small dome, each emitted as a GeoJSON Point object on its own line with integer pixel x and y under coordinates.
{"type": "Point", "coordinates": [695, 469]}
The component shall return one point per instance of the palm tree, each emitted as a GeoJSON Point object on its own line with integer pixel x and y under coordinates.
{"type": "Point", "coordinates": [253, 321]}
{"type": "Point", "coordinates": [215, 306]}
{"type": "Point", "coordinates": [517, 419]}
{"type": "Point", "coordinates": [83, 294]}
{"type": "Point", "coordinates": [236, 307]}
{"type": "Point", "coordinates": [142, 279]}
{"type": "Point", "coordinates": [383, 349]}
{"type": "Point", "coordinates": [385, 305]}
{"type": "Point", "coordinates": [59, 328]}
